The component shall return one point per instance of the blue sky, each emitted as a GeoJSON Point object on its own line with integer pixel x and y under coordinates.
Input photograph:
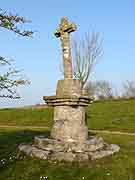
{"type": "Point", "coordinates": [40, 56]}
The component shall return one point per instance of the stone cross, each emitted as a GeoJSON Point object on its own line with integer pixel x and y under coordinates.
{"type": "Point", "coordinates": [63, 32]}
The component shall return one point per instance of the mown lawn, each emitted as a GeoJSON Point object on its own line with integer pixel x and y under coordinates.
{"type": "Point", "coordinates": [13, 166]}
{"type": "Point", "coordinates": [108, 115]}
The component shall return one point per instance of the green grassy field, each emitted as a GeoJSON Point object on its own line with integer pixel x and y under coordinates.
{"type": "Point", "coordinates": [118, 115]}
{"type": "Point", "coordinates": [26, 117]}
{"type": "Point", "coordinates": [14, 166]}
{"type": "Point", "coordinates": [106, 115]}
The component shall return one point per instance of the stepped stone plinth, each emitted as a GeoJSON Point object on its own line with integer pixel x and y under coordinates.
{"type": "Point", "coordinates": [69, 111]}
{"type": "Point", "coordinates": [69, 138]}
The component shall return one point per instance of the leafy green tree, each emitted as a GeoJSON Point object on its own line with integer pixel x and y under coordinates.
{"type": "Point", "coordinates": [11, 78]}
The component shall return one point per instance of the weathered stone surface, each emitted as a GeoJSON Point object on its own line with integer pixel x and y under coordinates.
{"type": "Point", "coordinates": [68, 156]}
{"type": "Point", "coordinates": [83, 156]}
{"type": "Point", "coordinates": [34, 151]}
{"type": "Point", "coordinates": [107, 151]}
{"type": "Point", "coordinates": [39, 153]}
{"type": "Point", "coordinates": [94, 144]}
{"type": "Point", "coordinates": [70, 151]}
{"type": "Point", "coordinates": [49, 144]}
{"type": "Point", "coordinates": [69, 123]}
{"type": "Point", "coordinates": [25, 148]}
{"type": "Point", "coordinates": [68, 87]}
{"type": "Point", "coordinates": [65, 28]}
{"type": "Point", "coordinates": [67, 100]}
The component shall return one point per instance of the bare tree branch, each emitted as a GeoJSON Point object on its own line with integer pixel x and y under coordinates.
{"type": "Point", "coordinates": [129, 89]}
{"type": "Point", "coordinates": [86, 53]}
{"type": "Point", "coordinates": [99, 89]}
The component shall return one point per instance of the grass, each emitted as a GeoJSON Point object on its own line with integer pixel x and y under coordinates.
{"type": "Point", "coordinates": [26, 117]}
{"type": "Point", "coordinates": [106, 115]}
{"type": "Point", "coordinates": [120, 166]}
{"type": "Point", "coordinates": [118, 115]}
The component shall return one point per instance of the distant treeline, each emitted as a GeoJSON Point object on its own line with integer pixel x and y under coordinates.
{"type": "Point", "coordinates": [103, 89]}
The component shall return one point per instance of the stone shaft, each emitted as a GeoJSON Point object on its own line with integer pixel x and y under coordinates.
{"type": "Point", "coordinates": [63, 32]}
{"type": "Point", "coordinates": [65, 42]}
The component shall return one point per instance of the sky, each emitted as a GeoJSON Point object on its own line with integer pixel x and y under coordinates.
{"type": "Point", "coordinates": [40, 56]}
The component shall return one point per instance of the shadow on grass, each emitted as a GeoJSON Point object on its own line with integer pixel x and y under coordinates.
{"type": "Point", "coordinates": [12, 168]}
{"type": "Point", "coordinates": [10, 139]}
{"type": "Point", "coordinates": [119, 167]}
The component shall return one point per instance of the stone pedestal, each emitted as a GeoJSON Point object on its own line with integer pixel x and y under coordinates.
{"type": "Point", "coordinates": [69, 112]}
{"type": "Point", "coordinates": [69, 139]}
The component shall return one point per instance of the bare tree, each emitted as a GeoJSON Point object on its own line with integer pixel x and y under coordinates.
{"type": "Point", "coordinates": [99, 89]}
{"type": "Point", "coordinates": [90, 89]}
{"type": "Point", "coordinates": [86, 53]}
{"type": "Point", "coordinates": [104, 89]}
{"type": "Point", "coordinates": [129, 89]}
{"type": "Point", "coordinates": [11, 78]}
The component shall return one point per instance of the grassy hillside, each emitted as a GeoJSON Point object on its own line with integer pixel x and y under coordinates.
{"type": "Point", "coordinates": [109, 115]}
{"type": "Point", "coordinates": [114, 115]}
{"type": "Point", "coordinates": [120, 166]}
{"type": "Point", "coordinates": [26, 116]}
